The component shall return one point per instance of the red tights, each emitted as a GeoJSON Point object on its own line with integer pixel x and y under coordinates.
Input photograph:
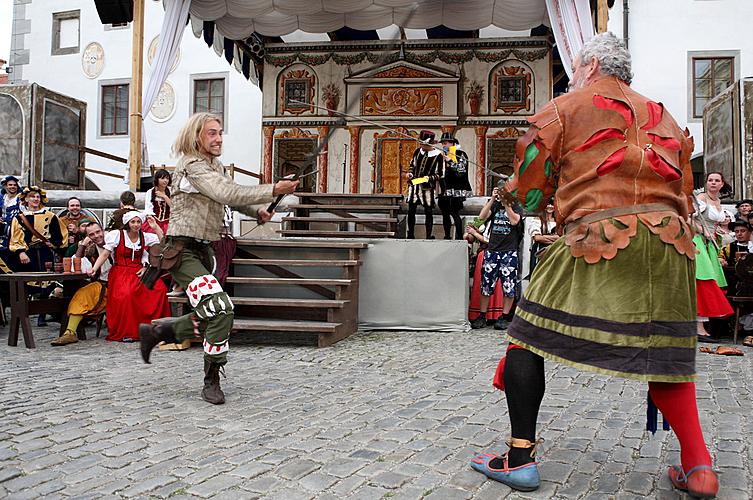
{"type": "Point", "coordinates": [678, 405]}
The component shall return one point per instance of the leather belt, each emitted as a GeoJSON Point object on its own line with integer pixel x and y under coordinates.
{"type": "Point", "coordinates": [617, 212]}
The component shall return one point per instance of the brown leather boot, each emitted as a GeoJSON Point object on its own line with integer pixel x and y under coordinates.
{"type": "Point", "coordinates": [212, 393]}
{"type": "Point", "coordinates": [68, 337]}
{"type": "Point", "coordinates": [151, 335]}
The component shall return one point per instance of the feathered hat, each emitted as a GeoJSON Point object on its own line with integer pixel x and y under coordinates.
{"type": "Point", "coordinates": [29, 189]}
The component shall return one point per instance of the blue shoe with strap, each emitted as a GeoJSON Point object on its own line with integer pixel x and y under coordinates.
{"type": "Point", "coordinates": [522, 478]}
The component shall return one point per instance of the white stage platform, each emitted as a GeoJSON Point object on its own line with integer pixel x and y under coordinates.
{"type": "Point", "coordinates": [403, 284]}
{"type": "Point", "coordinates": [414, 285]}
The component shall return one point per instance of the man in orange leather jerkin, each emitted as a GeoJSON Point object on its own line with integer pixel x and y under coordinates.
{"type": "Point", "coordinates": [616, 294]}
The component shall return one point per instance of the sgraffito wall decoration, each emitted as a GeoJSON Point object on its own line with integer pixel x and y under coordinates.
{"type": "Point", "coordinates": [401, 101]}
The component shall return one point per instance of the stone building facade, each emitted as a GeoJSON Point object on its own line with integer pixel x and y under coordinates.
{"type": "Point", "coordinates": [353, 110]}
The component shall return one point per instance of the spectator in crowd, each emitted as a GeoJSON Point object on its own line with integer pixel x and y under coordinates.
{"type": "Point", "coordinates": [129, 302]}
{"type": "Point", "coordinates": [425, 172]}
{"type": "Point", "coordinates": [10, 205]}
{"type": "Point", "coordinates": [731, 252]}
{"type": "Point", "coordinates": [454, 185]}
{"type": "Point", "coordinates": [127, 204]}
{"type": "Point", "coordinates": [75, 221]}
{"type": "Point", "coordinates": [723, 235]}
{"type": "Point", "coordinates": [744, 208]}
{"type": "Point", "coordinates": [542, 233]}
{"type": "Point", "coordinates": [711, 301]}
{"type": "Point", "coordinates": [728, 256]}
{"type": "Point", "coordinates": [500, 257]}
{"type": "Point", "coordinates": [37, 237]}
{"type": "Point", "coordinates": [37, 232]}
{"type": "Point", "coordinates": [224, 249]}
{"type": "Point", "coordinates": [475, 233]}
{"type": "Point", "coordinates": [89, 300]}
{"type": "Point", "coordinates": [157, 200]}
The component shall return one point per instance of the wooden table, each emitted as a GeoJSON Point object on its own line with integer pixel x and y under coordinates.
{"type": "Point", "coordinates": [22, 306]}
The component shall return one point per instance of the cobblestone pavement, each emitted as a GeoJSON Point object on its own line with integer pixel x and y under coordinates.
{"type": "Point", "coordinates": [379, 415]}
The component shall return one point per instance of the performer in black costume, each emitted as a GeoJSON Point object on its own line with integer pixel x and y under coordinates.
{"type": "Point", "coordinates": [426, 163]}
{"type": "Point", "coordinates": [455, 187]}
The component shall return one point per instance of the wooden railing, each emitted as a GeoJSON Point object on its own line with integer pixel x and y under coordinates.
{"type": "Point", "coordinates": [232, 167]}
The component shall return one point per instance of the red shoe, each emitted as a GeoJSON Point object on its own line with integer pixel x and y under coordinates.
{"type": "Point", "coordinates": [699, 482]}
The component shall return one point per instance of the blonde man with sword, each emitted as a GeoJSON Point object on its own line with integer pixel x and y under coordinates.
{"type": "Point", "coordinates": [202, 187]}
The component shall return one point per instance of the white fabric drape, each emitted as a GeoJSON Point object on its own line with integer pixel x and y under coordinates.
{"type": "Point", "coordinates": [237, 19]}
{"type": "Point", "coordinates": [570, 19]}
{"type": "Point", "coordinates": [571, 23]}
{"type": "Point", "coordinates": [173, 27]}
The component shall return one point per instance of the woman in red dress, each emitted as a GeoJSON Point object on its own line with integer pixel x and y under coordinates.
{"type": "Point", "coordinates": [129, 302]}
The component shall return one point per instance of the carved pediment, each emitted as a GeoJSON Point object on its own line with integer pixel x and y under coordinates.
{"type": "Point", "coordinates": [402, 70]}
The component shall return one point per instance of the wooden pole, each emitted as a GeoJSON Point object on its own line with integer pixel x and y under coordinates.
{"type": "Point", "coordinates": [602, 16]}
{"type": "Point", "coordinates": [135, 119]}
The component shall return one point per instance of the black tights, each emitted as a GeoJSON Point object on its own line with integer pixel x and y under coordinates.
{"type": "Point", "coordinates": [451, 208]}
{"type": "Point", "coordinates": [428, 223]}
{"type": "Point", "coordinates": [524, 388]}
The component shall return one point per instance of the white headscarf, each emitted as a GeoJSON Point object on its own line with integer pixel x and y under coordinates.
{"type": "Point", "coordinates": [132, 215]}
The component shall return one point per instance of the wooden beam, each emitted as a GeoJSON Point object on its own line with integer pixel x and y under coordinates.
{"type": "Point", "coordinates": [101, 172]}
{"type": "Point", "coordinates": [243, 171]}
{"type": "Point", "coordinates": [602, 16]}
{"type": "Point", "coordinates": [90, 151]}
{"type": "Point", "coordinates": [135, 119]}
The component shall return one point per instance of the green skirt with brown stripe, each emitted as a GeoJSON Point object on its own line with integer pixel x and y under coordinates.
{"type": "Point", "coordinates": [632, 316]}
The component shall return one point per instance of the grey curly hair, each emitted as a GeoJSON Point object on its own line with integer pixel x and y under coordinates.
{"type": "Point", "coordinates": [613, 57]}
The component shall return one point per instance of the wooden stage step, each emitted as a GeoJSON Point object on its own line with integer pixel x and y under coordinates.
{"type": "Point", "coordinates": [274, 325]}
{"type": "Point", "coordinates": [278, 302]}
{"type": "Point", "coordinates": [351, 208]}
{"type": "Point", "coordinates": [336, 234]}
{"type": "Point", "coordinates": [240, 280]}
{"type": "Point", "coordinates": [361, 196]}
{"type": "Point", "coordinates": [355, 220]}
{"type": "Point", "coordinates": [296, 262]}
{"type": "Point", "coordinates": [302, 243]}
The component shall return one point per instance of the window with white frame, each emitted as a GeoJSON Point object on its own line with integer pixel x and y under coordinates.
{"type": "Point", "coordinates": [66, 34]}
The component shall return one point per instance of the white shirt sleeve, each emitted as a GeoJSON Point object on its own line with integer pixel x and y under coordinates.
{"type": "Point", "coordinates": [534, 226]}
{"type": "Point", "coordinates": [148, 205]}
{"type": "Point", "coordinates": [112, 240]}
{"type": "Point", "coordinates": [150, 239]}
